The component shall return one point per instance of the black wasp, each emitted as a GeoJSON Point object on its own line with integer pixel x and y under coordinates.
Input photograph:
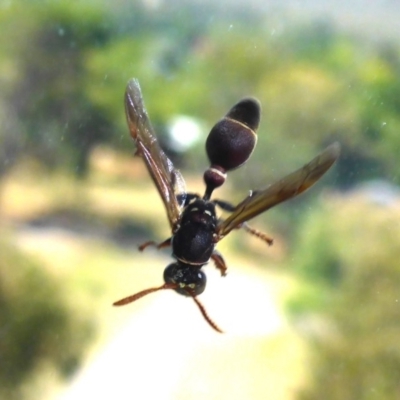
{"type": "Point", "coordinates": [195, 227]}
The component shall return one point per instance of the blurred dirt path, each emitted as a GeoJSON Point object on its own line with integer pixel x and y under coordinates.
{"type": "Point", "coordinates": [165, 351]}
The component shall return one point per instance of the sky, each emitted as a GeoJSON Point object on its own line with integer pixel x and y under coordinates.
{"type": "Point", "coordinates": [375, 18]}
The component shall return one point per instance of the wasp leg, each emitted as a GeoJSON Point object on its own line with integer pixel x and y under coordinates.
{"type": "Point", "coordinates": [165, 243]}
{"type": "Point", "coordinates": [257, 233]}
{"type": "Point", "coordinates": [219, 261]}
{"type": "Point", "coordinates": [229, 207]}
{"type": "Point", "coordinates": [224, 205]}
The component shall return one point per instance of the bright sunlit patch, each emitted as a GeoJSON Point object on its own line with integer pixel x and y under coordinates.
{"type": "Point", "coordinates": [242, 304]}
{"type": "Point", "coordinates": [184, 132]}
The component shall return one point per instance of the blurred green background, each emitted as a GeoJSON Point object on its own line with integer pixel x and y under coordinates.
{"type": "Point", "coordinates": [74, 203]}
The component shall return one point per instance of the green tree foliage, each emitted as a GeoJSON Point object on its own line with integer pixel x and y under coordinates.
{"type": "Point", "coordinates": [349, 255]}
{"type": "Point", "coordinates": [68, 65]}
{"type": "Point", "coordinates": [56, 121]}
{"type": "Point", "coordinates": [368, 76]}
{"type": "Point", "coordinates": [37, 327]}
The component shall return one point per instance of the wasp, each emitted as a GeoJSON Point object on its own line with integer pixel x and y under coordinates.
{"type": "Point", "coordinates": [195, 227]}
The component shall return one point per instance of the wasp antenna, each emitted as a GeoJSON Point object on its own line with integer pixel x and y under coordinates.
{"type": "Point", "coordinates": [139, 295]}
{"type": "Point", "coordinates": [205, 315]}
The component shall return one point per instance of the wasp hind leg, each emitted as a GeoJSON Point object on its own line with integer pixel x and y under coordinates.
{"type": "Point", "coordinates": [219, 261]}
{"type": "Point", "coordinates": [257, 233]}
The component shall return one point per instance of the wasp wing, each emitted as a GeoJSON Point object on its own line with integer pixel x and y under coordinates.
{"type": "Point", "coordinates": [168, 180]}
{"type": "Point", "coordinates": [284, 189]}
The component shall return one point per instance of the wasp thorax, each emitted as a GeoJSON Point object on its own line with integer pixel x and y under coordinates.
{"type": "Point", "coordinates": [232, 140]}
{"type": "Point", "coordinates": [191, 279]}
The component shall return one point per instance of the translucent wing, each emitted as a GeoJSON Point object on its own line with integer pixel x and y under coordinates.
{"type": "Point", "coordinates": [168, 180]}
{"type": "Point", "coordinates": [288, 187]}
